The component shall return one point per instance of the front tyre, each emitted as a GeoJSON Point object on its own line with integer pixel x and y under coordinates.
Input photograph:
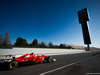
{"type": "Point", "coordinates": [49, 59]}
{"type": "Point", "coordinates": [12, 65]}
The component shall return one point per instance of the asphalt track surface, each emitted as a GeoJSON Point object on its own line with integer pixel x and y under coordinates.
{"type": "Point", "coordinates": [72, 64]}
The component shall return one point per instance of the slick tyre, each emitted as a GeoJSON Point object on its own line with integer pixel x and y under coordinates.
{"type": "Point", "coordinates": [49, 59]}
{"type": "Point", "coordinates": [13, 65]}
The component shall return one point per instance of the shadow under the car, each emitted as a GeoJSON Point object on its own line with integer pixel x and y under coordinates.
{"type": "Point", "coordinates": [4, 66]}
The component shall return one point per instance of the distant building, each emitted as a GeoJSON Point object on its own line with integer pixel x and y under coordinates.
{"type": "Point", "coordinates": [77, 47]}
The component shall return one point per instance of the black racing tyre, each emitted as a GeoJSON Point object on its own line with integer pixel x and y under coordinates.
{"type": "Point", "coordinates": [49, 59]}
{"type": "Point", "coordinates": [12, 65]}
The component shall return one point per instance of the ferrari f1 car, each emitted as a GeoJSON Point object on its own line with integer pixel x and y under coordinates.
{"type": "Point", "coordinates": [14, 61]}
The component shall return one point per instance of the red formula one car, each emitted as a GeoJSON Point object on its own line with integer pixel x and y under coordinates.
{"type": "Point", "coordinates": [13, 61]}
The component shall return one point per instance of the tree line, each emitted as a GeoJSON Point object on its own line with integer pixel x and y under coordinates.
{"type": "Point", "coordinates": [20, 42]}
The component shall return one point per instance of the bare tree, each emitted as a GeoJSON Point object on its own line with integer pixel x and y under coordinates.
{"type": "Point", "coordinates": [1, 40]}
{"type": "Point", "coordinates": [6, 39]}
{"type": "Point", "coordinates": [50, 45]}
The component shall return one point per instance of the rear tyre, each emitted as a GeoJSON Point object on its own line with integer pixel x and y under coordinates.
{"type": "Point", "coordinates": [49, 59]}
{"type": "Point", "coordinates": [13, 65]}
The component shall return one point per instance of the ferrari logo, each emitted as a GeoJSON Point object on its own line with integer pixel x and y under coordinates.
{"type": "Point", "coordinates": [34, 59]}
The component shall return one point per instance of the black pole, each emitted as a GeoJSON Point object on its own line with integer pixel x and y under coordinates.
{"type": "Point", "coordinates": [88, 48]}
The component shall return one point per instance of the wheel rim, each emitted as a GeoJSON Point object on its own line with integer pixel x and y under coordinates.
{"type": "Point", "coordinates": [50, 59]}
{"type": "Point", "coordinates": [13, 65]}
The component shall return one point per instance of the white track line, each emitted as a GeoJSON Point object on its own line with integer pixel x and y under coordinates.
{"type": "Point", "coordinates": [63, 67]}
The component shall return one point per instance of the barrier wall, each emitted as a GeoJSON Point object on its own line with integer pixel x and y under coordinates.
{"type": "Point", "coordinates": [39, 51]}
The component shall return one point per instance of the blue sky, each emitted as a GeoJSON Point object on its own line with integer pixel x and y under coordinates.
{"type": "Point", "coordinates": [49, 20]}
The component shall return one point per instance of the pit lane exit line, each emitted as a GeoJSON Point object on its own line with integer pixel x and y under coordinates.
{"type": "Point", "coordinates": [64, 66]}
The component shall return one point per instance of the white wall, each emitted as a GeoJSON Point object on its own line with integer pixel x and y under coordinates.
{"type": "Point", "coordinates": [39, 51]}
{"type": "Point", "coordinates": [20, 51]}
